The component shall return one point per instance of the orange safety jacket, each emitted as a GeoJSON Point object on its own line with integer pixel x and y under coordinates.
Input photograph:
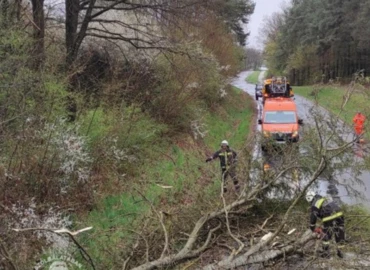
{"type": "Point", "coordinates": [358, 122]}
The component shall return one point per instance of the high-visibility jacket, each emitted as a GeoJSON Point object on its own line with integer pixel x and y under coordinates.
{"type": "Point", "coordinates": [323, 209]}
{"type": "Point", "coordinates": [227, 158]}
{"type": "Point", "coordinates": [359, 120]}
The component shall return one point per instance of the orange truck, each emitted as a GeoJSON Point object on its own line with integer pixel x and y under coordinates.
{"type": "Point", "coordinates": [279, 122]}
{"type": "Point", "coordinates": [276, 87]}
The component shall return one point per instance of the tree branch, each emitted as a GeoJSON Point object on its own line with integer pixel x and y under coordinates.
{"type": "Point", "coordinates": [70, 234]}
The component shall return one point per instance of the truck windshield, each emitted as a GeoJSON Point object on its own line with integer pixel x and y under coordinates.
{"type": "Point", "coordinates": [281, 117]}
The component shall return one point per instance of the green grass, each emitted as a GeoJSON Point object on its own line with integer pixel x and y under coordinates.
{"type": "Point", "coordinates": [253, 77]}
{"type": "Point", "coordinates": [235, 123]}
{"type": "Point", "coordinates": [331, 98]}
{"type": "Point", "coordinates": [357, 227]}
{"type": "Point", "coordinates": [180, 166]}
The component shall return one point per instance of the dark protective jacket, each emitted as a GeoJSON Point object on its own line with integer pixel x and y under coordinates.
{"type": "Point", "coordinates": [323, 209]}
{"type": "Point", "coordinates": [227, 158]}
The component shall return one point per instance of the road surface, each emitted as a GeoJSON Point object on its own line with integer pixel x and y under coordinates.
{"type": "Point", "coordinates": [335, 188]}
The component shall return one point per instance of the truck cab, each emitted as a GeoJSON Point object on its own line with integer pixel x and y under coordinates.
{"type": "Point", "coordinates": [279, 122]}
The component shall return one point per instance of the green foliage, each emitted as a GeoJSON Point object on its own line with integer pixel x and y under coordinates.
{"type": "Point", "coordinates": [126, 138]}
{"type": "Point", "coordinates": [254, 58]}
{"type": "Point", "coordinates": [184, 85]}
{"type": "Point", "coordinates": [235, 12]}
{"type": "Point", "coordinates": [126, 150]}
{"type": "Point", "coordinates": [176, 180]}
{"type": "Point", "coordinates": [357, 220]}
{"type": "Point", "coordinates": [169, 181]}
{"type": "Point", "coordinates": [218, 42]}
{"type": "Point", "coordinates": [30, 102]}
{"type": "Point", "coordinates": [320, 40]}
{"type": "Point", "coordinates": [25, 93]}
{"type": "Point", "coordinates": [253, 77]}
{"type": "Point", "coordinates": [272, 61]}
{"type": "Point", "coordinates": [233, 114]}
{"type": "Point", "coordinates": [331, 98]}
{"type": "Point", "coordinates": [303, 65]}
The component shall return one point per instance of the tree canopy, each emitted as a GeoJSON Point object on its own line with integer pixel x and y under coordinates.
{"type": "Point", "coordinates": [319, 40]}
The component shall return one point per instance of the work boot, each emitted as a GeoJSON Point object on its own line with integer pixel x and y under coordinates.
{"type": "Point", "coordinates": [324, 253]}
{"type": "Point", "coordinates": [340, 254]}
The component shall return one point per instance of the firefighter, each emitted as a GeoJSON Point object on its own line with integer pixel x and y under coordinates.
{"type": "Point", "coordinates": [332, 219]}
{"type": "Point", "coordinates": [358, 121]}
{"type": "Point", "coordinates": [228, 160]}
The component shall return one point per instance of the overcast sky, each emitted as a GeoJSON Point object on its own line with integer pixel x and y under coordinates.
{"type": "Point", "coordinates": [263, 9]}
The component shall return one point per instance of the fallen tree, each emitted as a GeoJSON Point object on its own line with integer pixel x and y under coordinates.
{"type": "Point", "coordinates": [327, 154]}
{"type": "Point", "coordinates": [264, 256]}
{"type": "Point", "coordinates": [247, 199]}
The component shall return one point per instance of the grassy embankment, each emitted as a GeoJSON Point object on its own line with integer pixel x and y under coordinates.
{"type": "Point", "coordinates": [177, 164]}
{"type": "Point", "coordinates": [331, 98]}
{"type": "Point", "coordinates": [253, 77]}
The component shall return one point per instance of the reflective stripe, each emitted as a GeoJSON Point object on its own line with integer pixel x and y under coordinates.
{"type": "Point", "coordinates": [336, 215]}
{"type": "Point", "coordinates": [226, 161]}
{"type": "Point", "coordinates": [325, 243]}
{"type": "Point", "coordinates": [319, 203]}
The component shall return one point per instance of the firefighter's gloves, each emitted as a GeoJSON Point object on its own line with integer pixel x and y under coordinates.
{"type": "Point", "coordinates": [319, 232]}
{"type": "Point", "coordinates": [208, 159]}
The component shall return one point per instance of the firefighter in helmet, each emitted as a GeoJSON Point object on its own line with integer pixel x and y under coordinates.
{"type": "Point", "coordinates": [228, 160]}
{"type": "Point", "coordinates": [332, 219]}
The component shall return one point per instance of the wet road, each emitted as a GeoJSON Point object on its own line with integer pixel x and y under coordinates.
{"type": "Point", "coordinates": [336, 188]}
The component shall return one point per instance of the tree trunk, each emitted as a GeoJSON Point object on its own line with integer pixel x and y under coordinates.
{"type": "Point", "coordinates": [71, 25]}
{"type": "Point", "coordinates": [4, 12]}
{"type": "Point", "coordinates": [18, 8]}
{"type": "Point", "coordinates": [262, 256]}
{"type": "Point", "coordinates": [38, 32]}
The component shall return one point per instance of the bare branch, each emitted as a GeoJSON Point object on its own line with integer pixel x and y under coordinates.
{"type": "Point", "coordinates": [4, 252]}
{"type": "Point", "coordinates": [227, 264]}
{"type": "Point", "coordinates": [70, 234]}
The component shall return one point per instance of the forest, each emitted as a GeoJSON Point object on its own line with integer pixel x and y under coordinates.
{"type": "Point", "coordinates": [319, 41]}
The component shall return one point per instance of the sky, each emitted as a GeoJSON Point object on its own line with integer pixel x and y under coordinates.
{"type": "Point", "coordinates": [262, 10]}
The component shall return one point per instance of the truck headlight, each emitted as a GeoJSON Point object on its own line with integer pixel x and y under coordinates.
{"type": "Point", "coordinates": [295, 134]}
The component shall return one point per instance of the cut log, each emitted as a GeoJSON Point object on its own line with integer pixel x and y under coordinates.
{"type": "Point", "coordinates": [262, 256]}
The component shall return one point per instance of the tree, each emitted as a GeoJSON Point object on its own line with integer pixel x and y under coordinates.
{"type": "Point", "coordinates": [132, 24]}
{"type": "Point", "coordinates": [254, 58]}
{"type": "Point", "coordinates": [234, 13]}
{"type": "Point", "coordinates": [332, 28]}
{"type": "Point", "coordinates": [38, 32]}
